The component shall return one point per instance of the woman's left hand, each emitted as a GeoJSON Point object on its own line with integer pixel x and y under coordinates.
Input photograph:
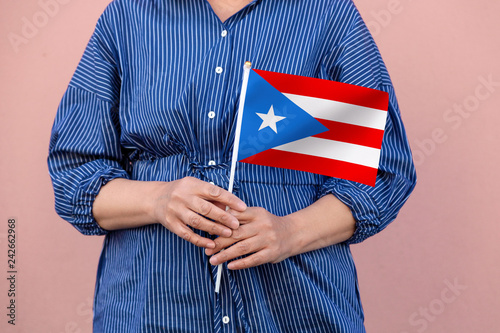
{"type": "Point", "coordinates": [266, 237]}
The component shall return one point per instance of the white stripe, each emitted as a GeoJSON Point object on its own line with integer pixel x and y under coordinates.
{"type": "Point", "coordinates": [336, 150]}
{"type": "Point", "coordinates": [341, 112]}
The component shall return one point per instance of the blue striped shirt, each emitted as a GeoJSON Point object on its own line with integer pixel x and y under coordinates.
{"type": "Point", "coordinates": [154, 98]}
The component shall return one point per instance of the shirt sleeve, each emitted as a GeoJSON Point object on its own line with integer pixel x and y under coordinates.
{"type": "Point", "coordinates": [84, 151]}
{"type": "Point", "coordinates": [356, 60]}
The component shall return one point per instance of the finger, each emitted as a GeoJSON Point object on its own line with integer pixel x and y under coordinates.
{"type": "Point", "coordinates": [242, 233]}
{"type": "Point", "coordinates": [187, 234]}
{"type": "Point", "coordinates": [201, 223]}
{"type": "Point", "coordinates": [256, 259]}
{"type": "Point", "coordinates": [248, 215]}
{"type": "Point", "coordinates": [237, 250]}
{"type": "Point", "coordinates": [220, 244]}
{"type": "Point", "coordinates": [218, 194]}
{"type": "Point", "coordinates": [211, 211]}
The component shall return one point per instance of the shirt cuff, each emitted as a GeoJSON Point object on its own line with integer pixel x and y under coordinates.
{"type": "Point", "coordinates": [84, 196]}
{"type": "Point", "coordinates": [362, 205]}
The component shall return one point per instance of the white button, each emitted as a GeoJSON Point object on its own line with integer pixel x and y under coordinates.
{"type": "Point", "coordinates": [223, 33]}
{"type": "Point", "coordinates": [211, 115]}
{"type": "Point", "coordinates": [211, 163]}
{"type": "Point", "coordinates": [212, 183]}
{"type": "Point", "coordinates": [225, 319]}
{"type": "Point", "coordinates": [218, 70]}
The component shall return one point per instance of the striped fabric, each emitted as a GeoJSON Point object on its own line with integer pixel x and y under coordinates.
{"type": "Point", "coordinates": [154, 98]}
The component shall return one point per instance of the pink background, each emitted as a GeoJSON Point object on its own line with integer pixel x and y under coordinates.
{"type": "Point", "coordinates": [436, 269]}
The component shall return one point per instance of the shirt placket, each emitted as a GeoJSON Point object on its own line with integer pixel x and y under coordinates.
{"type": "Point", "coordinates": [229, 316]}
{"type": "Point", "coordinates": [213, 115]}
{"type": "Point", "coordinates": [225, 313]}
{"type": "Point", "coordinates": [225, 319]}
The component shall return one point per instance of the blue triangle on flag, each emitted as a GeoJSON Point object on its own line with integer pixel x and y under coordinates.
{"type": "Point", "coordinates": [270, 119]}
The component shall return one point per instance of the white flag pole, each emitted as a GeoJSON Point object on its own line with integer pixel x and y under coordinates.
{"type": "Point", "coordinates": [246, 73]}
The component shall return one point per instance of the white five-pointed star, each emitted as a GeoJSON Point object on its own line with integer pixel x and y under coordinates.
{"type": "Point", "coordinates": [269, 120]}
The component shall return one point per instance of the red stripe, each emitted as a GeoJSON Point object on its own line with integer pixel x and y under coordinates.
{"type": "Point", "coordinates": [314, 164]}
{"type": "Point", "coordinates": [326, 89]}
{"type": "Point", "coordinates": [358, 135]}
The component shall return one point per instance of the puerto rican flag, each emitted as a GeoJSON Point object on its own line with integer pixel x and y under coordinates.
{"type": "Point", "coordinates": [314, 125]}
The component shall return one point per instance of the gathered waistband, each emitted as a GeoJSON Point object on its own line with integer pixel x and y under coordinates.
{"type": "Point", "coordinates": [147, 167]}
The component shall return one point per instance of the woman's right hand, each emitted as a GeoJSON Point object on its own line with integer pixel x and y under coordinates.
{"type": "Point", "coordinates": [201, 205]}
{"type": "Point", "coordinates": [124, 203]}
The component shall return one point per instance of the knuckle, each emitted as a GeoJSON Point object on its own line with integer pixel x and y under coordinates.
{"type": "Point", "coordinates": [197, 241]}
{"type": "Point", "coordinates": [223, 218]}
{"type": "Point", "coordinates": [179, 183]}
{"type": "Point", "coordinates": [185, 183]}
{"type": "Point", "coordinates": [215, 191]}
{"type": "Point", "coordinates": [214, 229]}
{"type": "Point", "coordinates": [259, 210]}
{"type": "Point", "coordinates": [243, 247]}
{"type": "Point", "coordinates": [255, 259]}
{"type": "Point", "coordinates": [269, 226]}
{"type": "Point", "coordinates": [223, 256]}
{"type": "Point", "coordinates": [194, 221]}
{"type": "Point", "coordinates": [232, 199]}
{"type": "Point", "coordinates": [218, 244]}
{"type": "Point", "coordinates": [175, 194]}
{"type": "Point", "coordinates": [205, 208]}
{"type": "Point", "coordinates": [188, 180]}
{"type": "Point", "coordinates": [186, 235]}
{"type": "Point", "coordinates": [276, 260]}
{"type": "Point", "coordinates": [237, 234]}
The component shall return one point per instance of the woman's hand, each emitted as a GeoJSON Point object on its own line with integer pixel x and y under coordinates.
{"type": "Point", "coordinates": [192, 202]}
{"type": "Point", "coordinates": [270, 239]}
{"type": "Point", "coordinates": [267, 237]}
{"type": "Point", "coordinates": [124, 203]}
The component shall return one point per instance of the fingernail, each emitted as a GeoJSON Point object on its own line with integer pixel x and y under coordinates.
{"type": "Point", "coordinates": [213, 261]}
{"type": "Point", "coordinates": [210, 245]}
{"type": "Point", "coordinates": [227, 233]}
